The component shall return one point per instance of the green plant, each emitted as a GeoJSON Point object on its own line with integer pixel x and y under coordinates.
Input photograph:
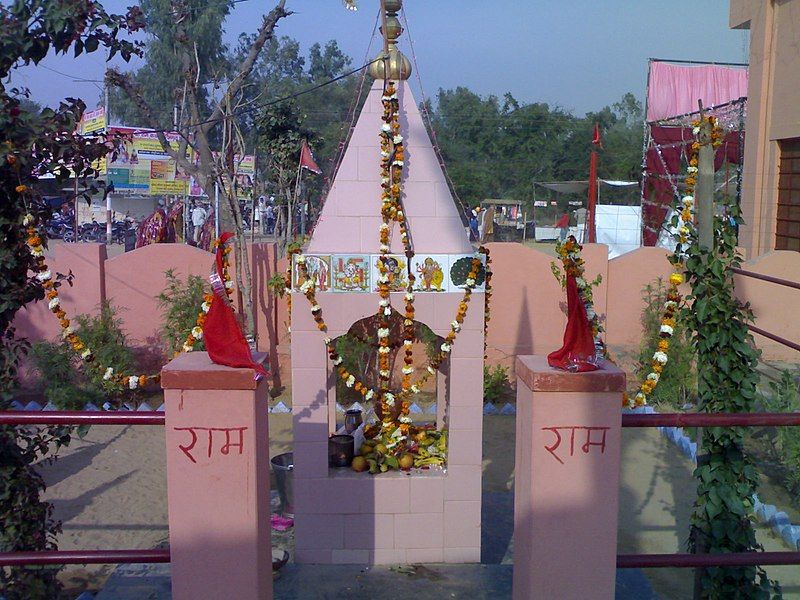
{"type": "Point", "coordinates": [496, 386]}
{"type": "Point", "coordinates": [726, 382]}
{"type": "Point", "coordinates": [678, 381]}
{"type": "Point", "coordinates": [181, 303]}
{"type": "Point", "coordinates": [785, 397]}
{"type": "Point", "coordinates": [277, 285]}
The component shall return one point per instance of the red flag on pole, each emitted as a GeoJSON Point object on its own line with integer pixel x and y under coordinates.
{"type": "Point", "coordinates": [307, 159]}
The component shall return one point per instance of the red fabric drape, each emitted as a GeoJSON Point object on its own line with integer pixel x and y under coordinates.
{"type": "Point", "coordinates": [223, 336]}
{"type": "Point", "coordinates": [674, 144]}
{"type": "Point", "coordinates": [578, 348]}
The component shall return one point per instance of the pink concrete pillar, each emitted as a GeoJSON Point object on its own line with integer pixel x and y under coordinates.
{"type": "Point", "coordinates": [217, 435]}
{"type": "Point", "coordinates": [567, 481]}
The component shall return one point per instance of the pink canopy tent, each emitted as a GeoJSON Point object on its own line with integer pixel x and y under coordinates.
{"type": "Point", "coordinates": [673, 91]}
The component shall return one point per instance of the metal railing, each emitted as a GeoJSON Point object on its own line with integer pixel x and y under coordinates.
{"type": "Point", "coordinates": [624, 561]}
{"type": "Point", "coordinates": [779, 281]}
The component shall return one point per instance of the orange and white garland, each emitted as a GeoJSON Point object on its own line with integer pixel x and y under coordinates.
{"type": "Point", "coordinates": [686, 233]}
{"type": "Point", "coordinates": [394, 405]}
{"type": "Point", "coordinates": [48, 282]}
{"type": "Point", "coordinates": [45, 277]}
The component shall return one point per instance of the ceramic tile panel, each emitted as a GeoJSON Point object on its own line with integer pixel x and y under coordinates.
{"type": "Point", "coordinates": [351, 272]}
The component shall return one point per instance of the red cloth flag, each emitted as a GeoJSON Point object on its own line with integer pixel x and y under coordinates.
{"type": "Point", "coordinates": [578, 352]}
{"type": "Point", "coordinates": [224, 339]}
{"type": "Point", "coordinates": [307, 159]}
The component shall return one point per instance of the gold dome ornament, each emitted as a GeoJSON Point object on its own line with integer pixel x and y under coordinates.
{"type": "Point", "coordinates": [391, 63]}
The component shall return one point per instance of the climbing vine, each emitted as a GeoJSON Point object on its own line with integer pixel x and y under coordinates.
{"type": "Point", "coordinates": [727, 381]}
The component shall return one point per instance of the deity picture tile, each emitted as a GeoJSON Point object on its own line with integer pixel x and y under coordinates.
{"type": "Point", "coordinates": [351, 272]}
{"type": "Point", "coordinates": [460, 266]}
{"type": "Point", "coordinates": [396, 267]}
{"type": "Point", "coordinates": [319, 269]}
{"type": "Point", "coordinates": [430, 271]}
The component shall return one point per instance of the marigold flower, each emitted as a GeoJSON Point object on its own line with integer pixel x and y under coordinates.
{"type": "Point", "coordinates": [20, 189]}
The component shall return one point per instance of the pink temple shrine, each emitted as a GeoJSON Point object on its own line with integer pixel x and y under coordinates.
{"type": "Point", "coordinates": [418, 515]}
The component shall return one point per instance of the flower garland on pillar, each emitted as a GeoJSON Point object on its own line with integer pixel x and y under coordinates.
{"type": "Point", "coordinates": [686, 231]}
{"type": "Point", "coordinates": [51, 285]}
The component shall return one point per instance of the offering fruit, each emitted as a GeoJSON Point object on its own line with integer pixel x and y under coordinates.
{"type": "Point", "coordinates": [359, 464]}
{"type": "Point", "coordinates": [381, 449]}
{"type": "Point", "coordinates": [406, 461]}
{"type": "Point", "coordinates": [366, 448]}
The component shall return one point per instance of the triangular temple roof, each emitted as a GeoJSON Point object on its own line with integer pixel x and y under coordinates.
{"type": "Point", "coordinates": [351, 215]}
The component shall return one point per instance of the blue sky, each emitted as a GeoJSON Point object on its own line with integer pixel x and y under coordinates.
{"type": "Point", "coordinates": [577, 54]}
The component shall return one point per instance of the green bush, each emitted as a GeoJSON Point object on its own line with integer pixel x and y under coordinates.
{"type": "Point", "coordinates": [785, 398]}
{"type": "Point", "coordinates": [181, 303]}
{"type": "Point", "coordinates": [678, 382]}
{"type": "Point", "coordinates": [70, 385]}
{"type": "Point", "coordinates": [496, 386]}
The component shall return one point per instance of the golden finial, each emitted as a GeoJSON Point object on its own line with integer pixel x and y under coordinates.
{"type": "Point", "coordinates": [391, 64]}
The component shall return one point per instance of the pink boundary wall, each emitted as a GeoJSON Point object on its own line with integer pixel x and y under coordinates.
{"type": "Point", "coordinates": [530, 321]}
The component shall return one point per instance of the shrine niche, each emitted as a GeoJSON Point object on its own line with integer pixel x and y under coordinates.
{"type": "Point", "coordinates": [390, 338]}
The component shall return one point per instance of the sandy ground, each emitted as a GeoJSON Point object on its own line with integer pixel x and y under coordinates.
{"type": "Point", "coordinates": [110, 492]}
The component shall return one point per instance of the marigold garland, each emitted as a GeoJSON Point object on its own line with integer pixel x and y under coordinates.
{"type": "Point", "coordinates": [686, 232]}
{"type": "Point", "coordinates": [45, 277]}
{"type": "Point", "coordinates": [570, 253]}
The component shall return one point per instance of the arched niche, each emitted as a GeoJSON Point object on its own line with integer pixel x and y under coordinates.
{"type": "Point", "coordinates": [359, 351]}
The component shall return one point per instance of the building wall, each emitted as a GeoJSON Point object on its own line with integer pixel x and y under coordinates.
{"type": "Point", "coordinates": [773, 112]}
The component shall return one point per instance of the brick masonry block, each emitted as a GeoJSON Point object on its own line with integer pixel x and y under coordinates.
{"type": "Point", "coordinates": [462, 524]}
{"type": "Point", "coordinates": [419, 530]}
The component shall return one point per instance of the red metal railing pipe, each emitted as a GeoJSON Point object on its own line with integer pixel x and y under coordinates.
{"type": "Point", "coordinates": [776, 338]}
{"type": "Point", "coordinates": [711, 420]}
{"type": "Point", "coordinates": [79, 417]}
{"type": "Point", "coordinates": [770, 278]}
{"type": "Point", "coordinates": [83, 557]}
{"type": "Point", "coordinates": [733, 559]}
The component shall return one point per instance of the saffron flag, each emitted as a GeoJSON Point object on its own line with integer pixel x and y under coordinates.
{"type": "Point", "coordinates": [307, 159]}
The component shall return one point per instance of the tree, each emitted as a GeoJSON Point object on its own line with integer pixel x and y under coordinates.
{"type": "Point", "coordinates": [29, 30]}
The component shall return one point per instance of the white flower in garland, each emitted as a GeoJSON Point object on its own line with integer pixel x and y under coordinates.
{"type": "Point", "coordinates": [660, 357]}
{"type": "Point", "coordinates": [408, 342]}
{"type": "Point", "coordinates": [581, 282]}
{"type": "Point", "coordinates": [384, 226]}
{"type": "Point", "coordinates": [398, 163]}
{"type": "Point", "coordinates": [369, 395]}
{"type": "Point", "coordinates": [350, 382]}
{"type": "Point", "coordinates": [408, 370]}
{"type": "Point", "coordinates": [316, 308]}
{"type": "Point", "coordinates": [397, 139]}
{"type": "Point", "coordinates": [86, 354]}
{"type": "Point", "coordinates": [384, 154]}
{"type": "Point", "coordinates": [67, 331]}
{"type": "Point", "coordinates": [387, 311]}
{"type": "Point", "coordinates": [386, 128]}
{"type": "Point", "coordinates": [187, 348]}
{"type": "Point", "coordinates": [385, 374]}
{"type": "Point", "coordinates": [641, 398]}
{"type": "Point", "coordinates": [384, 350]}
{"type": "Point", "coordinates": [53, 304]}
{"type": "Point", "coordinates": [28, 220]}
{"type": "Point", "coordinates": [300, 259]}
{"type": "Point", "coordinates": [696, 129]}
{"type": "Point", "coordinates": [446, 347]}
{"type": "Point", "coordinates": [653, 377]}
{"type": "Point", "coordinates": [590, 314]}
{"type": "Point", "coordinates": [409, 297]}
{"type": "Point", "coordinates": [470, 282]}
{"type": "Point", "coordinates": [384, 303]}
{"type": "Point", "coordinates": [337, 361]}
{"type": "Point", "coordinates": [229, 284]}
{"type": "Point", "coordinates": [37, 251]}
{"type": "Point", "coordinates": [431, 370]}
{"type": "Point", "coordinates": [692, 169]}
{"type": "Point", "coordinates": [389, 398]}
{"type": "Point", "coordinates": [326, 341]}
{"type": "Point", "coordinates": [385, 180]}
{"type": "Point", "coordinates": [415, 389]}
{"type": "Point", "coordinates": [667, 329]}
{"type": "Point", "coordinates": [670, 304]}
{"type": "Point", "coordinates": [688, 201]}
{"type": "Point", "coordinates": [133, 382]}
{"type": "Point", "coordinates": [197, 333]}
{"type": "Point", "coordinates": [400, 214]}
{"type": "Point", "coordinates": [205, 307]}
{"type": "Point", "coordinates": [384, 249]}
{"type": "Point", "coordinates": [404, 419]}
{"type": "Point", "coordinates": [44, 276]}
{"type": "Point", "coordinates": [456, 326]}
{"type": "Point", "coordinates": [307, 285]}
{"type": "Point", "coordinates": [108, 374]}
{"type": "Point", "coordinates": [408, 322]}
{"type": "Point", "coordinates": [383, 278]}
{"type": "Point", "coordinates": [383, 332]}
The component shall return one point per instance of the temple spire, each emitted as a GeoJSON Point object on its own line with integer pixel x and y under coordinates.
{"type": "Point", "coordinates": [391, 63]}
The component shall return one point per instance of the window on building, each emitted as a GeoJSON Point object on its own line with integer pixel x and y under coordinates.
{"type": "Point", "coordinates": [787, 233]}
